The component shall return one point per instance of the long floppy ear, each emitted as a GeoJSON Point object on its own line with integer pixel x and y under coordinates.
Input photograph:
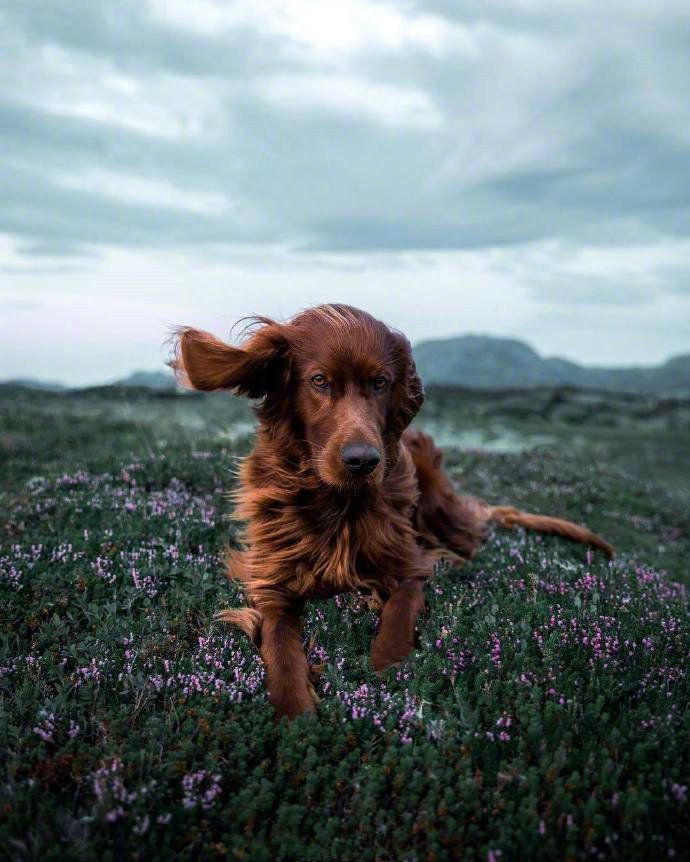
{"type": "Point", "coordinates": [204, 362]}
{"type": "Point", "coordinates": [408, 392]}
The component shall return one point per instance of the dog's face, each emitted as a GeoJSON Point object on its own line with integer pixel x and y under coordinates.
{"type": "Point", "coordinates": [340, 380]}
{"type": "Point", "coordinates": [346, 373]}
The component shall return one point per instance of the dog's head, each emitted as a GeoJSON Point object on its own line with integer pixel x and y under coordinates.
{"type": "Point", "coordinates": [335, 379]}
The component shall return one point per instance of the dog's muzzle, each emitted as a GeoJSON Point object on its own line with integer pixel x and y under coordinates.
{"type": "Point", "coordinates": [360, 459]}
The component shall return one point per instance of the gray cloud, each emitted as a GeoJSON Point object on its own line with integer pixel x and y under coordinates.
{"type": "Point", "coordinates": [127, 34]}
{"type": "Point", "coordinates": [499, 124]}
{"type": "Point", "coordinates": [508, 167]}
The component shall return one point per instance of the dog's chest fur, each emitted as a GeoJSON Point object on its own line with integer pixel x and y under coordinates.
{"type": "Point", "coordinates": [322, 543]}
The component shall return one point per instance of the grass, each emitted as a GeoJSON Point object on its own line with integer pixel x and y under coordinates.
{"type": "Point", "coordinates": [543, 716]}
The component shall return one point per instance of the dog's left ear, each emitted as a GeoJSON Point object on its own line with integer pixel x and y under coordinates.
{"type": "Point", "coordinates": [254, 369]}
{"type": "Point", "coordinates": [408, 392]}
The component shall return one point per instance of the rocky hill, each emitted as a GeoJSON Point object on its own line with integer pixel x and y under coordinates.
{"type": "Point", "coordinates": [485, 362]}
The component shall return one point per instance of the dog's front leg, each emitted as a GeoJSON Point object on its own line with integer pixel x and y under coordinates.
{"type": "Point", "coordinates": [290, 688]}
{"type": "Point", "coordinates": [396, 635]}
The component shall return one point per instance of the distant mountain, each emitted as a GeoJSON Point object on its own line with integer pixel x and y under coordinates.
{"type": "Point", "coordinates": [480, 362]}
{"type": "Point", "coordinates": [158, 380]}
{"type": "Point", "coordinates": [485, 362]}
{"type": "Point", "coordinates": [30, 383]}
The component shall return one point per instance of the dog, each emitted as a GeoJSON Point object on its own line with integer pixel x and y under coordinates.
{"type": "Point", "coordinates": [338, 493]}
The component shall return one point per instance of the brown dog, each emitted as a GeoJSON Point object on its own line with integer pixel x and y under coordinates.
{"type": "Point", "coordinates": [337, 494]}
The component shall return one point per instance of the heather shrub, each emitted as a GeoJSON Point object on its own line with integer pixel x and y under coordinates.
{"type": "Point", "coordinates": [544, 714]}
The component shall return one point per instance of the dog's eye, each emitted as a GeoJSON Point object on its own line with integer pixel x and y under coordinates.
{"type": "Point", "coordinates": [319, 381]}
{"type": "Point", "coordinates": [380, 383]}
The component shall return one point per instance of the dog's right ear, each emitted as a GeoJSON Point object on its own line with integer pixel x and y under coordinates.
{"type": "Point", "coordinates": [202, 361]}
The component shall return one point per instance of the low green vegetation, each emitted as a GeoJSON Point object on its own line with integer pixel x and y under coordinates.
{"type": "Point", "coordinates": [544, 714]}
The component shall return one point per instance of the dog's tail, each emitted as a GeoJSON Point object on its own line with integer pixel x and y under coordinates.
{"type": "Point", "coordinates": [247, 619]}
{"type": "Point", "coordinates": [509, 517]}
{"type": "Point", "coordinates": [447, 519]}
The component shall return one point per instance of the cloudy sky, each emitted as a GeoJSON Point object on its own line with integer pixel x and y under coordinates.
{"type": "Point", "coordinates": [514, 167]}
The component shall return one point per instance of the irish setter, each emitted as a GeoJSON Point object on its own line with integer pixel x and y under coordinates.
{"type": "Point", "coordinates": [337, 494]}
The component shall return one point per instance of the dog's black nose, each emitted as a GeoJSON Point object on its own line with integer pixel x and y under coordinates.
{"type": "Point", "coordinates": [360, 458]}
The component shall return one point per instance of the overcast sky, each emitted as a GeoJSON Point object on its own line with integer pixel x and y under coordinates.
{"type": "Point", "coordinates": [515, 168]}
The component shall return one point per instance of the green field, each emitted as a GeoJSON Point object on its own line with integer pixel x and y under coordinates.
{"type": "Point", "coordinates": [544, 714]}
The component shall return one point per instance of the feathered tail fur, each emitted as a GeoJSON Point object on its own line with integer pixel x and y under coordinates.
{"type": "Point", "coordinates": [460, 523]}
{"type": "Point", "coordinates": [509, 517]}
